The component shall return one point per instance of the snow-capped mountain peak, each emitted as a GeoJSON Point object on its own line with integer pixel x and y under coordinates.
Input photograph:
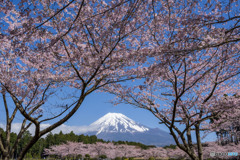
{"type": "Point", "coordinates": [115, 123]}
{"type": "Point", "coordinates": [118, 127]}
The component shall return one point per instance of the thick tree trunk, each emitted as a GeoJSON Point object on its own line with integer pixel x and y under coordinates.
{"type": "Point", "coordinates": [199, 144]}
{"type": "Point", "coordinates": [185, 147]}
{"type": "Point", "coordinates": [190, 144]}
{"type": "Point", "coordinates": [192, 155]}
{"type": "Point", "coordinates": [25, 150]}
{"type": "Point", "coordinates": [6, 157]}
{"type": "Point", "coordinates": [6, 154]}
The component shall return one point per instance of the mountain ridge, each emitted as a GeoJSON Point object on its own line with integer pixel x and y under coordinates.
{"type": "Point", "coordinates": [117, 122]}
{"type": "Point", "coordinates": [118, 127]}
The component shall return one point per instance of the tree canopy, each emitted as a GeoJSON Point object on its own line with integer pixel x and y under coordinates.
{"type": "Point", "coordinates": [187, 52]}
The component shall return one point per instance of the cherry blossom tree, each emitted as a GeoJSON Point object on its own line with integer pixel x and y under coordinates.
{"type": "Point", "coordinates": [94, 150]}
{"type": "Point", "coordinates": [74, 149]}
{"type": "Point", "coordinates": [220, 151]}
{"type": "Point", "coordinates": [157, 152]}
{"type": "Point", "coordinates": [128, 151]}
{"type": "Point", "coordinates": [70, 149]}
{"type": "Point", "coordinates": [186, 94]}
{"type": "Point", "coordinates": [176, 153]}
{"type": "Point", "coordinates": [227, 125]}
{"type": "Point", "coordinates": [194, 61]}
{"type": "Point", "coordinates": [182, 27]}
{"type": "Point", "coordinates": [48, 46]}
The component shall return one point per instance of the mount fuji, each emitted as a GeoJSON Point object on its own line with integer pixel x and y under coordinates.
{"type": "Point", "coordinates": [118, 127]}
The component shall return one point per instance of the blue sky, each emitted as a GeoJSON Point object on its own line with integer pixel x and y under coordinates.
{"type": "Point", "coordinates": [94, 107]}
{"type": "Point", "coordinates": [98, 104]}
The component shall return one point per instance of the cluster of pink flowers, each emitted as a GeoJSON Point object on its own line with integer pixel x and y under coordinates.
{"type": "Point", "coordinates": [114, 150]}
{"type": "Point", "coordinates": [111, 150]}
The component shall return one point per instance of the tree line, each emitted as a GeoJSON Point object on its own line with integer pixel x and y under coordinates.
{"type": "Point", "coordinates": [229, 131]}
{"type": "Point", "coordinates": [37, 151]}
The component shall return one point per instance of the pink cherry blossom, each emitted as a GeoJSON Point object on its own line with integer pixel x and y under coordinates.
{"type": "Point", "coordinates": [187, 53]}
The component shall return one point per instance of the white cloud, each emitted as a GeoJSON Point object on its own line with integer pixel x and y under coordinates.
{"type": "Point", "coordinates": [2, 125]}
{"type": "Point", "coordinates": [64, 128]}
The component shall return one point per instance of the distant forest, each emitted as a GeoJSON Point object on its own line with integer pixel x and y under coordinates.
{"type": "Point", "coordinates": [37, 151]}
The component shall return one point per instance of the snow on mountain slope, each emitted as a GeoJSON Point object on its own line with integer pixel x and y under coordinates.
{"type": "Point", "coordinates": [115, 123]}
{"type": "Point", "coordinates": [118, 127]}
